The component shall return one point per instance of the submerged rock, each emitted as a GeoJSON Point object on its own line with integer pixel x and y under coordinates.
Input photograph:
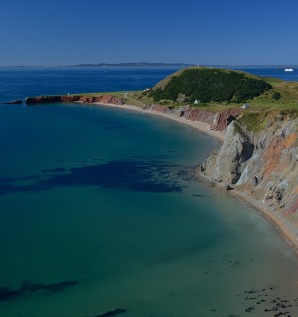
{"type": "Point", "coordinates": [13, 102]}
{"type": "Point", "coordinates": [114, 312]}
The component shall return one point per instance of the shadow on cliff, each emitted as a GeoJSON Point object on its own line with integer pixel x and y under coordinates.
{"type": "Point", "coordinates": [130, 175]}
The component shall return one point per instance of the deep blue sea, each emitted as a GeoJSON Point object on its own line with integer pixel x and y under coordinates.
{"type": "Point", "coordinates": [100, 214]}
{"type": "Point", "coordinates": [21, 82]}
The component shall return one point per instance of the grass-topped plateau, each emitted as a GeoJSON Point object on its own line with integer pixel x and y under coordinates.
{"type": "Point", "coordinates": [218, 89]}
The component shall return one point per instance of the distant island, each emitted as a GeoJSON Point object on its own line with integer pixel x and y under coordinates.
{"type": "Point", "coordinates": [131, 64]}
{"type": "Point", "coordinates": [104, 65]}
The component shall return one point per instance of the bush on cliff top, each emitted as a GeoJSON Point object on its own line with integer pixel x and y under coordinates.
{"type": "Point", "coordinates": [211, 85]}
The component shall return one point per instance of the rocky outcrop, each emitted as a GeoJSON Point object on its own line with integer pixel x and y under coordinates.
{"type": "Point", "coordinates": [261, 161]}
{"type": "Point", "coordinates": [158, 108]}
{"type": "Point", "coordinates": [217, 121]}
{"type": "Point", "coordinates": [226, 166]}
{"type": "Point", "coordinates": [13, 102]}
{"type": "Point", "coordinates": [74, 98]}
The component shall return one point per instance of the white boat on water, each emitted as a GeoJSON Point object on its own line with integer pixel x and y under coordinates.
{"type": "Point", "coordinates": [288, 69]}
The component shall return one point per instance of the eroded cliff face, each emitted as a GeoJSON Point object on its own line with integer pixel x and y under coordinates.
{"type": "Point", "coordinates": [217, 120]}
{"type": "Point", "coordinates": [261, 161]}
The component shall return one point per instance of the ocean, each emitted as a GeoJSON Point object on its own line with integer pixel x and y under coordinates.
{"type": "Point", "coordinates": [21, 82]}
{"type": "Point", "coordinates": [100, 214]}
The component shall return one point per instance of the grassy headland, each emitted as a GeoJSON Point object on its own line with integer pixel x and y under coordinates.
{"type": "Point", "coordinates": [215, 89]}
{"type": "Point", "coordinates": [220, 89]}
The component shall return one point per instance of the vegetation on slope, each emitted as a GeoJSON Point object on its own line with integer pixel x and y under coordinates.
{"type": "Point", "coordinates": [211, 85]}
{"type": "Point", "coordinates": [283, 96]}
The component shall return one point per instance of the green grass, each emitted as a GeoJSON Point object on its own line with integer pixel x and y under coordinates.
{"type": "Point", "coordinates": [254, 121]}
{"type": "Point", "coordinates": [265, 102]}
{"type": "Point", "coordinates": [272, 81]}
{"type": "Point", "coordinates": [288, 101]}
{"type": "Point", "coordinates": [288, 91]}
{"type": "Point", "coordinates": [95, 94]}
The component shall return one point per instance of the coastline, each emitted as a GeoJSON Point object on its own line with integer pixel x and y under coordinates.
{"type": "Point", "coordinates": [288, 235]}
{"type": "Point", "coordinates": [202, 127]}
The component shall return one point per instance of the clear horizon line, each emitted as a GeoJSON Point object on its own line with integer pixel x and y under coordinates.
{"type": "Point", "coordinates": [147, 63]}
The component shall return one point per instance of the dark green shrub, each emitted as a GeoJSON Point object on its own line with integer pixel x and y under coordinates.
{"type": "Point", "coordinates": [276, 95]}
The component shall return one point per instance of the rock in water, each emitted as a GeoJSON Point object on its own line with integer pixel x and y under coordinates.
{"type": "Point", "coordinates": [13, 102]}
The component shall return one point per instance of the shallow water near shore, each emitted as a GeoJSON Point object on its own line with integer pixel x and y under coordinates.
{"type": "Point", "coordinates": [99, 210]}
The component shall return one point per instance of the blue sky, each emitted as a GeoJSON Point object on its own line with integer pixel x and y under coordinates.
{"type": "Point", "coordinates": [229, 32]}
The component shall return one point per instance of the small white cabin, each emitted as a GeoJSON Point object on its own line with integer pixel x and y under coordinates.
{"type": "Point", "coordinates": [246, 106]}
{"type": "Point", "coordinates": [196, 102]}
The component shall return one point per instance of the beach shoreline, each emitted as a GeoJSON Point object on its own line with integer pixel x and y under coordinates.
{"type": "Point", "coordinates": [202, 127]}
{"type": "Point", "coordinates": [288, 235]}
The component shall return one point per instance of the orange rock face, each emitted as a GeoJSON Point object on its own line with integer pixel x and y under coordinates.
{"type": "Point", "coordinates": [217, 120]}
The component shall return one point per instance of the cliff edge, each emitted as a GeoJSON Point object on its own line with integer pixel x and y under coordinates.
{"type": "Point", "coordinates": [73, 98]}
{"type": "Point", "coordinates": [259, 158]}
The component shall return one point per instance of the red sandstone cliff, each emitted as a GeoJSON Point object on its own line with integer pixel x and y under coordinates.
{"type": "Point", "coordinates": [74, 98]}
{"type": "Point", "coordinates": [217, 120]}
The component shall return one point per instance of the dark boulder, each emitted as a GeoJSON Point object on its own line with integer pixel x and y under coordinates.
{"type": "Point", "coordinates": [228, 187]}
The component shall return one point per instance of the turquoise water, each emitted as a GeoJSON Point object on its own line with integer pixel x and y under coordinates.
{"type": "Point", "coordinates": [99, 210]}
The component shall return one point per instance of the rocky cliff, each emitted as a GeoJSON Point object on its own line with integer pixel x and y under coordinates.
{"type": "Point", "coordinates": [259, 157]}
{"type": "Point", "coordinates": [74, 98]}
{"type": "Point", "coordinates": [217, 120]}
